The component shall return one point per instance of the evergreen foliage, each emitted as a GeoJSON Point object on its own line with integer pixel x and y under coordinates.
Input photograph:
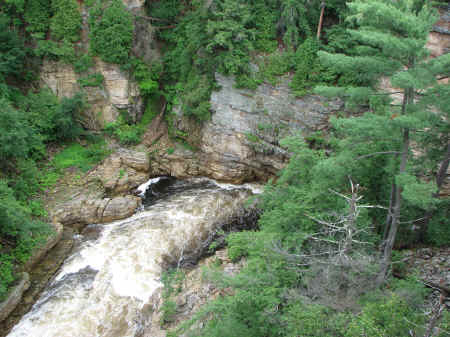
{"type": "Point", "coordinates": [37, 15]}
{"type": "Point", "coordinates": [224, 36]}
{"type": "Point", "coordinates": [66, 22]}
{"type": "Point", "coordinates": [111, 31]}
{"type": "Point", "coordinates": [293, 282]}
{"type": "Point", "coordinates": [271, 294]}
{"type": "Point", "coordinates": [390, 41]}
{"type": "Point", "coordinates": [18, 139]}
{"type": "Point", "coordinates": [12, 50]}
{"type": "Point", "coordinates": [278, 293]}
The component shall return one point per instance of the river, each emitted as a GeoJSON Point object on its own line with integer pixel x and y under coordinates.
{"type": "Point", "coordinates": [103, 288]}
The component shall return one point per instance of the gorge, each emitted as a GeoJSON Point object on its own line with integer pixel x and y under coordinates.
{"type": "Point", "coordinates": [144, 132]}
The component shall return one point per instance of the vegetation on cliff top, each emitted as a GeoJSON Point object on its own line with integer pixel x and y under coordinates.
{"type": "Point", "coordinates": [315, 255]}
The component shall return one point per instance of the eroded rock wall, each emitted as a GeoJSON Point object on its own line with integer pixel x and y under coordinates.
{"type": "Point", "coordinates": [118, 91]}
{"type": "Point", "coordinates": [439, 38]}
{"type": "Point", "coordinates": [105, 194]}
{"type": "Point", "coordinates": [241, 141]}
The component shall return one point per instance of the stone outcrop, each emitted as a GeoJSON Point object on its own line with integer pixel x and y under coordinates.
{"type": "Point", "coordinates": [118, 91]}
{"type": "Point", "coordinates": [439, 38]}
{"type": "Point", "coordinates": [194, 292]}
{"type": "Point", "coordinates": [83, 210]}
{"type": "Point", "coordinates": [104, 195]}
{"type": "Point", "coordinates": [241, 141]}
{"type": "Point", "coordinates": [120, 208]}
{"type": "Point", "coordinates": [14, 297]}
{"type": "Point", "coordinates": [123, 171]}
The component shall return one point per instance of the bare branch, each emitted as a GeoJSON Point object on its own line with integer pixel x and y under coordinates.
{"type": "Point", "coordinates": [372, 206]}
{"type": "Point", "coordinates": [339, 194]}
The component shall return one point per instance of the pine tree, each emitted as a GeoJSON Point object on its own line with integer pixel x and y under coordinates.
{"type": "Point", "coordinates": [390, 38]}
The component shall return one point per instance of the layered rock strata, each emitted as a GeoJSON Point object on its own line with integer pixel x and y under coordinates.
{"type": "Point", "coordinates": [241, 141]}
{"type": "Point", "coordinates": [118, 91]}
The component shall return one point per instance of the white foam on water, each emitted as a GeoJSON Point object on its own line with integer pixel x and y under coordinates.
{"type": "Point", "coordinates": [101, 290]}
{"type": "Point", "coordinates": [254, 187]}
{"type": "Point", "coordinates": [144, 187]}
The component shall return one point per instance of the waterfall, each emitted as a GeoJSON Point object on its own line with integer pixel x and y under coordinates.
{"type": "Point", "coordinates": [102, 289]}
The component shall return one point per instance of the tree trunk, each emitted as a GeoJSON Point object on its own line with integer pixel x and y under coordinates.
{"type": "Point", "coordinates": [389, 215]}
{"type": "Point", "coordinates": [389, 243]}
{"type": "Point", "coordinates": [394, 218]}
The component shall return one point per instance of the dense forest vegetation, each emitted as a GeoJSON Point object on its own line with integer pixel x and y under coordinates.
{"type": "Point", "coordinates": [320, 263]}
{"type": "Point", "coordinates": [332, 218]}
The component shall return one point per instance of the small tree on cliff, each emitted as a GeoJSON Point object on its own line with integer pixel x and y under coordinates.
{"type": "Point", "coordinates": [391, 38]}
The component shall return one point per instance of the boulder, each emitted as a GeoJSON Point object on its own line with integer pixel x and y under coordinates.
{"type": "Point", "coordinates": [120, 208]}
{"type": "Point", "coordinates": [123, 171]}
{"type": "Point", "coordinates": [84, 210]}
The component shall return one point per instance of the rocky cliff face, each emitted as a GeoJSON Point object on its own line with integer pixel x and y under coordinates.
{"type": "Point", "coordinates": [241, 141]}
{"type": "Point", "coordinates": [118, 92]}
{"type": "Point", "coordinates": [105, 194]}
{"type": "Point", "coordinates": [439, 38]}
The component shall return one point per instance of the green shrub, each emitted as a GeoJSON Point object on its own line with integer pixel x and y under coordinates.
{"type": "Point", "coordinates": [173, 282]}
{"type": "Point", "coordinates": [83, 63]}
{"type": "Point", "coordinates": [66, 23]}
{"type": "Point", "coordinates": [306, 66]}
{"type": "Point", "coordinates": [76, 155]}
{"type": "Point", "coordinates": [25, 184]}
{"type": "Point", "coordinates": [111, 31]}
{"type": "Point", "coordinates": [12, 50]}
{"type": "Point", "coordinates": [18, 138]}
{"type": "Point", "coordinates": [37, 15]}
{"type": "Point", "coordinates": [49, 177]}
{"type": "Point", "coordinates": [129, 135]}
{"type": "Point", "coordinates": [272, 66]}
{"type": "Point", "coordinates": [6, 274]}
{"type": "Point", "coordinates": [14, 217]}
{"type": "Point", "coordinates": [438, 229]}
{"type": "Point", "coordinates": [265, 23]}
{"type": "Point", "coordinates": [387, 317]}
{"type": "Point", "coordinates": [62, 50]}
{"type": "Point", "coordinates": [54, 120]}
{"type": "Point", "coordinates": [67, 116]}
{"type": "Point", "coordinates": [313, 320]}
{"type": "Point", "coordinates": [146, 76]}
{"type": "Point", "coordinates": [151, 111]}
{"type": "Point", "coordinates": [126, 134]}
{"type": "Point", "coordinates": [91, 80]}
{"type": "Point", "coordinates": [239, 244]}
{"type": "Point", "coordinates": [197, 91]}
{"type": "Point", "coordinates": [252, 138]}
{"type": "Point", "coordinates": [40, 109]}
{"type": "Point", "coordinates": [168, 309]}
{"type": "Point", "coordinates": [73, 155]}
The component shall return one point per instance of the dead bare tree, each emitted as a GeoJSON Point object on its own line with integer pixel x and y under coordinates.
{"type": "Point", "coordinates": [336, 266]}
